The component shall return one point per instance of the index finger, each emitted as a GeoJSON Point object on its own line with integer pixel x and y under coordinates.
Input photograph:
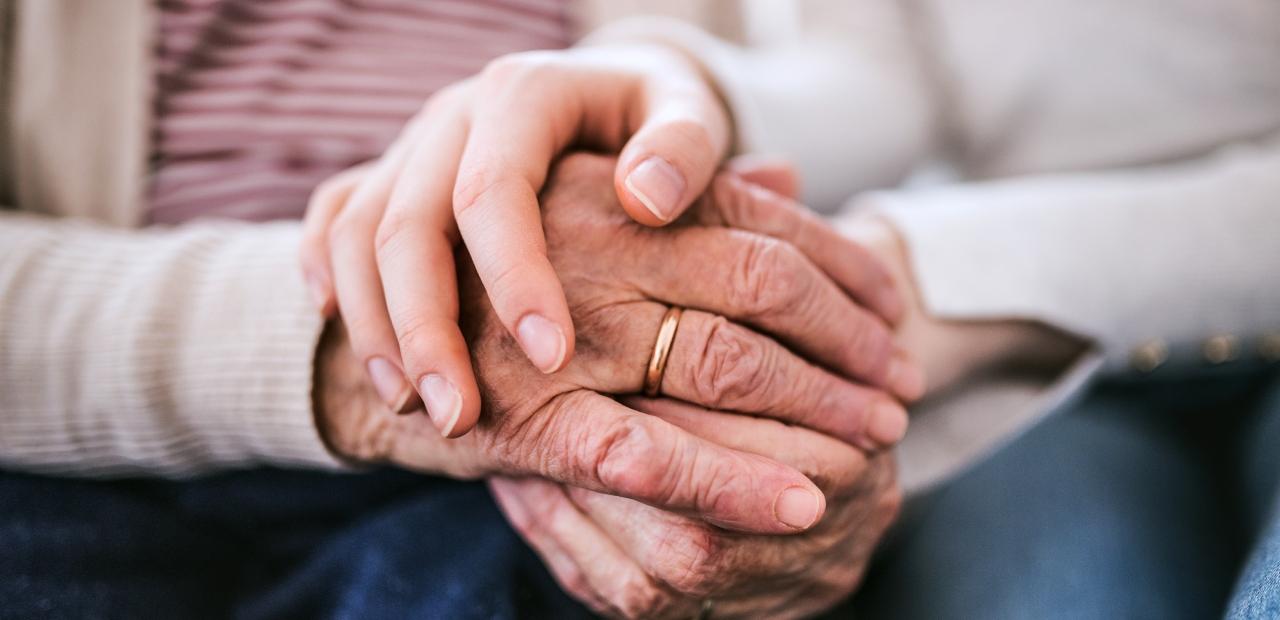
{"type": "Point", "coordinates": [593, 442]}
{"type": "Point", "coordinates": [495, 203]}
{"type": "Point", "coordinates": [833, 465]}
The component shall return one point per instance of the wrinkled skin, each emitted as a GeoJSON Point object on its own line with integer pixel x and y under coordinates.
{"type": "Point", "coordinates": [693, 476]}
{"type": "Point", "coordinates": [470, 166]}
{"type": "Point", "coordinates": [626, 559]}
{"type": "Point", "coordinates": [560, 426]}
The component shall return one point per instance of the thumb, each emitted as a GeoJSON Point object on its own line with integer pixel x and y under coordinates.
{"type": "Point", "coordinates": [671, 159]}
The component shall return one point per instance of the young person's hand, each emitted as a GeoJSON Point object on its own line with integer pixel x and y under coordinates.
{"type": "Point", "coordinates": [379, 243]}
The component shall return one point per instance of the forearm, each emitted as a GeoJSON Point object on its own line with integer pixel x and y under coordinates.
{"type": "Point", "coordinates": [168, 352]}
{"type": "Point", "coordinates": [1179, 253]}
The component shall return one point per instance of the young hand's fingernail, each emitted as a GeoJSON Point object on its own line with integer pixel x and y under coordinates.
{"type": "Point", "coordinates": [905, 377]}
{"type": "Point", "coordinates": [543, 342]}
{"type": "Point", "coordinates": [658, 186]}
{"type": "Point", "coordinates": [888, 424]}
{"type": "Point", "coordinates": [388, 382]}
{"type": "Point", "coordinates": [319, 292]}
{"type": "Point", "coordinates": [444, 402]}
{"type": "Point", "coordinates": [797, 507]}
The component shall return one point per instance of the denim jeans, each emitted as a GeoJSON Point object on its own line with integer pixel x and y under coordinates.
{"type": "Point", "coordinates": [1152, 500]}
{"type": "Point", "coordinates": [265, 544]}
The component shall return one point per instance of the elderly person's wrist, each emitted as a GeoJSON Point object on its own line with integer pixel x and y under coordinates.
{"type": "Point", "coordinates": [357, 427]}
{"type": "Point", "coordinates": [338, 388]}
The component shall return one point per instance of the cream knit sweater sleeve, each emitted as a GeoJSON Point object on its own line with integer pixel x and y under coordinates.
{"type": "Point", "coordinates": [1178, 253]}
{"type": "Point", "coordinates": [170, 352]}
{"type": "Point", "coordinates": [1120, 161]}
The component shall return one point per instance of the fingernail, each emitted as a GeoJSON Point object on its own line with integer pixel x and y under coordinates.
{"type": "Point", "coordinates": [905, 377]}
{"type": "Point", "coordinates": [317, 290]}
{"type": "Point", "coordinates": [444, 403]}
{"type": "Point", "coordinates": [543, 342]}
{"type": "Point", "coordinates": [888, 424]}
{"type": "Point", "coordinates": [658, 186]}
{"type": "Point", "coordinates": [389, 383]}
{"type": "Point", "coordinates": [797, 507]}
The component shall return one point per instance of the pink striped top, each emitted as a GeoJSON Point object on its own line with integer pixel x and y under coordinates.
{"type": "Point", "coordinates": [257, 101]}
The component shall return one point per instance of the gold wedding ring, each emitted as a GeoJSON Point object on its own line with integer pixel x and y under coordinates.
{"type": "Point", "coordinates": [661, 351]}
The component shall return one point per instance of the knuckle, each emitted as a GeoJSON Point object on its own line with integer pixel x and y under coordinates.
{"type": "Point", "coordinates": [507, 280]}
{"type": "Point", "coordinates": [328, 191]}
{"type": "Point", "coordinates": [472, 187]}
{"type": "Point", "coordinates": [444, 99]}
{"type": "Point", "coordinates": [575, 582]}
{"type": "Point", "coordinates": [625, 462]}
{"type": "Point", "coordinates": [364, 438]}
{"type": "Point", "coordinates": [871, 347]}
{"type": "Point", "coordinates": [768, 282]}
{"type": "Point", "coordinates": [391, 230]}
{"type": "Point", "coordinates": [640, 598]}
{"type": "Point", "coordinates": [688, 559]}
{"type": "Point", "coordinates": [522, 524]}
{"type": "Point", "coordinates": [502, 68]}
{"type": "Point", "coordinates": [416, 333]}
{"type": "Point", "coordinates": [729, 367]}
{"type": "Point", "coordinates": [518, 70]}
{"type": "Point", "coordinates": [710, 485]}
{"type": "Point", "coordinates": [826, 476]}
{"type": "Point", "coordinates": [841, 475]}
{"type": "Point", "coordinates": [622, 457]}
{"type": "Point", "coordinates": [345, 226]}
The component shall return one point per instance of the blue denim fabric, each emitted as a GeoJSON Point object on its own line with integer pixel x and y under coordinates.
{"type": "Point", "coordinates": [1257, 593]}
{"type": "Point", "coordinates": [1129, 505]}
{"type": "Point", "coordinates": [265, 544]}
{"type": "Point", "coordinates": [1143, 502]}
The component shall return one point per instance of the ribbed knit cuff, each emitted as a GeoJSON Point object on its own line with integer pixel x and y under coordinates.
{"type": "Point", "coordinates": [246, 363]}
{"type": "Point", "coordinates": [171, 352]}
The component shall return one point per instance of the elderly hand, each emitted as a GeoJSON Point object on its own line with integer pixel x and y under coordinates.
{"type": "Point", "coordinates": [470, 166]}
{"type": "Point", "coordinates": [620, 278]}
{"type": "Point", "coordinates": [626, 559]}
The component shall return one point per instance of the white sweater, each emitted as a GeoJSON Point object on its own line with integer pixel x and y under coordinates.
{"type": "Point", "coordinates": [1132, 175]}
{"type": "Point", "coordinates": [1119, 166]}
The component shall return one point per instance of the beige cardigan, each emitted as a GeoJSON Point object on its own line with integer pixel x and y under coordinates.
{"type": "Point", "coordinates": [182, 351]}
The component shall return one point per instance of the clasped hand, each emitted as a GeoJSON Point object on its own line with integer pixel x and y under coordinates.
{"type": "Point", "coordinates": [774, 331]}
